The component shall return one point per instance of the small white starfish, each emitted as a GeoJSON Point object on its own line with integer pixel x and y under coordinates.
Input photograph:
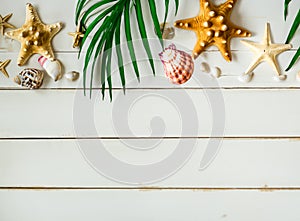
{"type": "Point", "coordinates": [266, 51]}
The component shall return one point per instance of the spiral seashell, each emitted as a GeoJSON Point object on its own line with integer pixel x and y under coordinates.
{"type": "Point", "coordinates": [178, 65]}
{"type": "Point", "coordinates": [30, 78]}
{"type": "Point", "coordinates": [52, 68]}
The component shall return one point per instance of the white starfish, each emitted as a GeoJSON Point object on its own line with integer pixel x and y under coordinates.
{"type": "Point", "coordinates": [265, 51]}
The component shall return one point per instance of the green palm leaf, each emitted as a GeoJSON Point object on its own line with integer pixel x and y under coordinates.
{"type": "Point", "coordinates": [142, 28]}
{"type": "Point", "coordinates": [88, 14]}
{"type": "Point", "coordinates": [129, 39]}
{"type": "Point", "coordinates": [119, 54]}
{"type": "Point", "coordinates": [177, 6]}
{"type": "Point", "coordinates": [286, 7]}
{"type": "Point", "coordinates": [155, 21]}
{"type": "Point", "coordinates": [294, 59]}
{"type": "Point", "coordinates": [105, 26]}
{"type": "Point", "coordinates": [294, 28]}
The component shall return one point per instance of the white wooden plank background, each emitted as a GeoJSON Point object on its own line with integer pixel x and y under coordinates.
{"type": "Point", "coordinates": [149, 205]}
{"type": "Point", "coordinates": [241, 163]}
{"type": "Point", "coordinates": [44, 176]}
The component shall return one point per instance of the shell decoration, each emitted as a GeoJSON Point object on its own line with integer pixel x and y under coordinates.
{"type": "Point", "coordinates": [30, 78]}
{"type": "Point", "coordinates": [52, 68]}
{"type": "Point", "coordinates": [178, 65]}
{"type": "Point", "coordinates": [72, 75]}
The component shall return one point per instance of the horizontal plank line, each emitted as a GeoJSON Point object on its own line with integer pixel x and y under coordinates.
{"type": "Point", "coordinates": [205, 189]}
{"type": "Point", "coordinates": [164, 88]}
{"type": "Point", "coordinates": [296, 138]}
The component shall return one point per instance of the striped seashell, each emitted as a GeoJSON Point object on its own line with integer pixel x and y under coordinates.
{"type": "Point", "coordinates": [178, 65]}
{"type": "Point", "coordinates": [30, 78]}
{"type": "Point", "coordinates": [52, 68]}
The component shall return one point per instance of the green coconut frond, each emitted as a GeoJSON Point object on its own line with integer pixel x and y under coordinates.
{"type": "Point", "coordinates": [291, 34]}
{"type": "Point", "coordinates": [286, 8]}
{"type": "Point", "coordinates": [102, 22]}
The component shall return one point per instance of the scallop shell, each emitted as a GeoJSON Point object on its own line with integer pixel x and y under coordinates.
{"type": "Point", "coordinates": [30, 78]}
{"type": "Point", "coordinates": [52, 68]}
{"type": "Point", "coordinates": [178, 65]}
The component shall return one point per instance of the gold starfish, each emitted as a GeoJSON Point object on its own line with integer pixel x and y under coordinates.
{"type": "Point", "coordinates": [266, 51]}
{"type": "Point", "coordinates": [3, 67]}
{"type": "Point", "coordinates": [34, 36]}
{"type": "Point", "coordinates": [213, 27]}
{"type": "Point", "coordinates": [4, 23]}
{"type": "Point", "coordinates": [77, 36]}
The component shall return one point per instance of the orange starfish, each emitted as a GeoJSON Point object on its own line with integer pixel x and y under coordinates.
{"type": "Point", "coordinates": [213, 27]}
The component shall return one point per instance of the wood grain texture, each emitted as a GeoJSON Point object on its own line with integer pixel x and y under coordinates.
{"type": "Point", "coordinates": [240, 163]}
{"type": "Point", "coordinates": [149, 205]}
{"type": "Point", "coordinates": [150, 113]}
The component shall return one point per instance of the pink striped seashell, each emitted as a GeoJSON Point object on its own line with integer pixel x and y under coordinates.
{"type": "Point", "coordinates": [53, 68]}
{"type": "Point", "coordinates": [178, 65]}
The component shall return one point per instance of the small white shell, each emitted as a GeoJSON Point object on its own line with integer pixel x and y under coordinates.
{"type": "Point", "coordinates": [72, 75]}
{"type": "Point", "coordinates": [205, 67]}
{"type": "Point", "coordinates": [280, 78]}
{"type": "Point", "coordinates": [169, 31]}
{"type": "Point", "coordinates": [245, 78]}
{"type": "Point", "coordinates": [298, 76]}
{"type": "Point", "coordinates": [216, 72]}
{"type": "Point", "coordinates": [53, 68]}
{"type": "Point", "coordinates": [30, 78]}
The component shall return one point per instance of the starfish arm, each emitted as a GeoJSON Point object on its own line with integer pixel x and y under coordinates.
{"type": "Point", "coordinates": [31, 14]}
{"type": "Point", "coordinates": [24, 56]}
{"type": "Point", "coordinates": [188, 24]}
{"type": "Point", "coordinates": [274, 64]}
{"type": "Point", "coordinates": [238, 32]}
{"type": "Point", "coordinates": [73, 34]}
{"type": "Point", "coordinates": [279, 48]}
{"type": "Point", "coordinates": [7, 17]}
{"type": "Point", "coordinates": [254, 65]}
{"type": "Point", "coordinates": [226, 7]}
{"type": "Point", "coordinates": [47, 52]}
{"type": "Point", "coordinates": [225, 50]}
{"type": "Point", "coordinates": [198, 49]}
{"type": "Point", "coordinates": [15, 34]}
{"type": "Point", "coordinates": [3, 70]}
{"type": "Point", "coordinates": [267, 37]}
{"type": "Point", "coordinates": [7, 25]}
{"type": "Point", "coordinates": [54, 29]}
{"type": "Point", "coordinates": [255, 47]}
